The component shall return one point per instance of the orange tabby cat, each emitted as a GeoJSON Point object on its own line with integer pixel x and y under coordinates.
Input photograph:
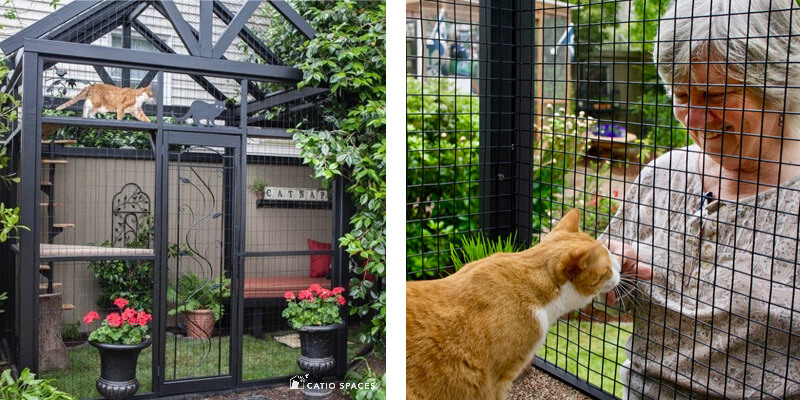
{"type": "Point", "coordinates": [469, 335]}
{"type": "Point", "coordinates": [102, 98]}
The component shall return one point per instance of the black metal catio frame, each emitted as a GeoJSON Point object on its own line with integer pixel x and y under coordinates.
{"type": "Point", "coordinates": [65, 36]}
{"type": "Point", "coordinates": [480, 77]}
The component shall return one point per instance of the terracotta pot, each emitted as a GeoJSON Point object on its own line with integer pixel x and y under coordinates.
{"type": "Point", "coordinates": [199, 324]}
{"type": "Point", "coordinates": [260, 195]}
{"type": "Point", "coordinates": [118, 369]}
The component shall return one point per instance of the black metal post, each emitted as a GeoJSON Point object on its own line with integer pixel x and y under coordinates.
{"type": "Point", "coordinates": [126, 44]}
{"type": "Point", "coordinates": [506, 123]}
{"type": "Point", "coordinates": [30, 180]}
{"type": "Point", "coordinates": [524, 122]}
{"type": "Point", "coordinates": [160, 237]}
{"type": "Point", "coordinates": [237, 275]}
{"type": "Point", "coordinates": [497, 124]}
{"type": "Point", "coordinates": [342, 211]}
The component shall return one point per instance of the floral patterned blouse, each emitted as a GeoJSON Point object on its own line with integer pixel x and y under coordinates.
{"type": "Point", "coordinates": [721, 316]}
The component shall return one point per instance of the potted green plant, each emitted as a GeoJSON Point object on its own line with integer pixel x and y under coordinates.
{"type": "Point", "coordinates": [257, 188]}
{"type": "Point", "coordinates": [120, 338]}
{"type": "Point", "coordinates": [200, 302]}
{"type": "Point", "coordinates": [315, 314]}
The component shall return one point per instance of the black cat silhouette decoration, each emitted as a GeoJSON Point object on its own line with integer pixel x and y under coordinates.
{"type": "Point", "coordinates": [203, 111]}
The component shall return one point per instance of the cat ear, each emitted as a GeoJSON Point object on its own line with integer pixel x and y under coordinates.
{"type": "Point", "coordinates": [584, 253]}
{"type": "Point", "coordinates": [570, 222]}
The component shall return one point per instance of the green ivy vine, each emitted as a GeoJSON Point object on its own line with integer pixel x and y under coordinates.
{"type": "Point", "coordinates": [348, 56]}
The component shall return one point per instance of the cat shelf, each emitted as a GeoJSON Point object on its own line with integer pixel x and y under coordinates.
{"type": "Point", "coordinates": [309, 205]}
{"type": "Point", "coordinates": [67, 250]}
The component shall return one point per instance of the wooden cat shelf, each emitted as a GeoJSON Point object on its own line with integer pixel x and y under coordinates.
{"type": "Point", "coordinates": [47, 251]}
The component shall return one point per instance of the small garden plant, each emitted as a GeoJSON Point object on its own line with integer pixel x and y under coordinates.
{"type": "Point", "coordinates": [257, 186]}
{"type": "Point", "coordinates": [196, 293]}
{"type": "Point", "coordinates": [126, 327]}
{"type": "Point", "coordinates": [314, 306]}
{"type": "Point", "coordinates": [28, 387]}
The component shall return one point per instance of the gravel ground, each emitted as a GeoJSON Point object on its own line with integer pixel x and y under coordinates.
{"type": "Point", "coordinates": [535, 384]}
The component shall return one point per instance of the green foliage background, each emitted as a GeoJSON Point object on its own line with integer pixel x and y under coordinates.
{"type": "Point", "coordinates": [442, 172]}
{"type": "Point", "coordinates": [347, 56]}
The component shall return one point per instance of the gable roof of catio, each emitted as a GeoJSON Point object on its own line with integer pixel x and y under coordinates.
{"type": "Point", "coordinates": [83, 21]}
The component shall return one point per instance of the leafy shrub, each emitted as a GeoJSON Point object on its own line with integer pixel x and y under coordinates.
{"type": "Point", "coordinates": [479, 246]}
{"type": "Point", "coordinates": [558, 144]}
{"type": "Point", "coordinates": [197, 293]}
{"type": "Point", "coordinates": [365, 384]}
{"type": "Point", "coordinates": [443, 141]}
{"type": "Point", "coordinates": [132, 280]}
{"type": "Point", "coordinates": [27, 387]}
{"type": "Point", "coordinates": [347, 56]}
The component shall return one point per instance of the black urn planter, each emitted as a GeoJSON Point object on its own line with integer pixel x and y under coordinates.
{"type": "Point", "coordinates": [118, 369]}
{"type": "Point", "coordinates": [316, 358]}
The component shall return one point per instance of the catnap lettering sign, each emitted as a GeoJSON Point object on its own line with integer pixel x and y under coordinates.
{"type": "Point", "coordinates": [295, 194]}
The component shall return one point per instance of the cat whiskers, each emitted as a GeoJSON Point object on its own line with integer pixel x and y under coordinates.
{"type": "Point", "coordinates": [626, 289]}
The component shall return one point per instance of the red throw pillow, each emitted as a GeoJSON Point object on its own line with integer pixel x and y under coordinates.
{"type": "Point", "coordinates": [320, 264]}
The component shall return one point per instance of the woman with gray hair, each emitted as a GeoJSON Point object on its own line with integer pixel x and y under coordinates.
{"type": "Point", "coordinates": [711, 230]}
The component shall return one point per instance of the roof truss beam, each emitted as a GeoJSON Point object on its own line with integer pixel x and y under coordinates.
{"type": "Point", "coordinates": [294, 18]}
{"type": "Point", "coordinates": [277, 98]}
{"type": "Point", "coordinates": [104, 76]}
{"type": "Point", "coordinates": [163, 47]}
{"type": "Point", "coordinates": [234, 27]}
{"type": "Point", "coordinates": [250, 38]}
{"type": "Point", "coordinates": [82, 53]}
{"type": "Point", "coordinates": [185, 31]}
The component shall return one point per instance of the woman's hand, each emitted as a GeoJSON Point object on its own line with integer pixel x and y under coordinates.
{"type": "Point", "coordinates": [629, 260]}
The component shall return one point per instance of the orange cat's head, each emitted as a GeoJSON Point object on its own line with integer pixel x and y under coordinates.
{"type": "Point", "coordinates": [148, 92]}
{"type": "Point", "coordinates": [585, 262]}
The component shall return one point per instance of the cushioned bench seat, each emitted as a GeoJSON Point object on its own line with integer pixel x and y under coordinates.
{"type": "Point", "coordinates": [276, 286]}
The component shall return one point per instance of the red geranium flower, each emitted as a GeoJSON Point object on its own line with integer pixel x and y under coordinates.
{"type": "Point", "coordinates": [129, 315]}
{"type": "Point", "coordinates": [337, 290]}
{"type": "Point", "coordinates": [120, 302]}
{"type": "Point", "coordinates": [90, 316]}
{"type": "Point", "coordinates": [114, 320]}
{"type": "Point", "coordinates": [305, 294]}
{"type": "Point", "coordinates": [316, 288]}
{"type": "Point", "coordinates": [342, 301]}
{"type": "Point", "coordinates": [143, 318]}
{"type": "Point", "coordinates": [288, 295]}
{"type": "Point", "coordinates": [325, 293]}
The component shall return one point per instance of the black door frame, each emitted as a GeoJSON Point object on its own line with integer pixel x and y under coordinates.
{"type": "Point", "coordinates": [232, 218]}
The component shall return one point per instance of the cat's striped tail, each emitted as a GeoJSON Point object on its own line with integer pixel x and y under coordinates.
{"type": "Point", "coordinates": [75, 99]}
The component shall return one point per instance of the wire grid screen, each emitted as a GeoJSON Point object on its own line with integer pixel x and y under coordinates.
{"type": "Point", "coordinates": [289, 221]}
{"type": "Point", "coordinates": [65, 355]}
{"type": "Point", "coordinates": [289, 239]}
{"type": "Point", "coordinates": [712, 210]}
{"type": "Point", "coordinates": [442, 116]}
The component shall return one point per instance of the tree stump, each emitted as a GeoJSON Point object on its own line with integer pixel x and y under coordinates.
{"type": "Point", "coordinates": [52, 352]}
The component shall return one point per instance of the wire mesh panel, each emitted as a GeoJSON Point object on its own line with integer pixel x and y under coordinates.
{"type": "Point", "coordinates": [289, 247]}
{"type": "Point", "coordinates": [671, 125]}
{"type": "Point", "coordinates": [443, 116]}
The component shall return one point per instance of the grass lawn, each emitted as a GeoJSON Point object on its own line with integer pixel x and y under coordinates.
{"type": "Point", "coordinates": [265, 358]}
{"type": "Point", "coordinates": [591, 351]}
